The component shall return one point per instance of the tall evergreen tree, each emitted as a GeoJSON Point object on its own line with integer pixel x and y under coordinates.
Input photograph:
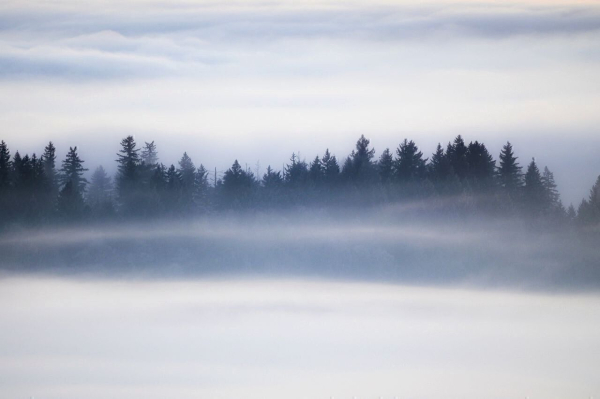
{"type": "Point", "coordinates": [409, 165]}
{"type": "Point", "coordinates": [99, 193]}
{"type": "Point", "coordinates": [552, 197]}
{"type": "Point", "coordinates": [201, 189]}
{"type": "Point", "coordinates": [72, 171]}
{"type": "Point", "coordinates": [70, 200]}
{"type": "Point", "coordinates": [238, 186]}
{"type": "Point", "coordinates": [149, 154]}
{"type": "Point", "coordinates": [439, 166]}
{"type": "Point", "coordinates": [5, 166]}
{"type": "Point", "coordinates": [589, 210]}
{"type": "Point", "coordinates": [509, 172]}
{"type": "Point", "coordinates": [533, 192]}
{"type": "Point", "coordinates": [481, 166]}
{"type": "Point", "coordinates": [385, 166]}
{"type": "Point", "coordinates": [363, 170]}
{"type": "Point", "coordinates": [457, 155]}
{"type": "Point", "coordinates": [296, 173]}
{"type": "Point", "coordinates": [128, 179]}
{"type": "Point", "coordinates": [315, 171]}
{"type": "Point", "coordinates": [187, 172]}
{"type": "Point", "coordinates": [331, 169]}
{"type": "Point", "coordinates": [49, 161]}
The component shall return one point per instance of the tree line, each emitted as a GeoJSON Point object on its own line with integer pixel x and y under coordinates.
{"type": "Point", "coordinates": [459, 177]}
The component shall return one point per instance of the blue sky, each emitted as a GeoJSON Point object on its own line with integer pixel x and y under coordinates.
{"type": "Point", "coordinates": [258, 80]}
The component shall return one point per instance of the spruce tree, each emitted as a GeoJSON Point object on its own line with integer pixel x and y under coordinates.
{"type": "Point", "coordinates": [534, 195]}
{"type": "Point", "coordinates": [457, 155]}
{"type": "Point", "coordinates": [385, 166]}
{"type": "Point", "coordinates": [409, 165]}
{"type": "Point", "coordinates": [72, 171]}
{"type": "Point", "coordinates": [149, 154]}
{"type": "Point", "coordinates": [331, 168]}
{"type": "Point", "coordinates": [201, 189]}
{"type": "Point", "coordinates": [5, 166]}
{"type": "Point", "coordinates": [187, 173]}
{"type": "Point", "coordinates": [509, 172]}
{"type": "Point", "coordinates": [315, 171]}
{"type": "Point", "coordinates": [439, 165]}
{"type": "Point", "coordinates": [481, 166]}
{"type": "Point", "coordinates": [589, 210]}
{"type": "Point", "coordinates": [49, 161]}
{"type": "Point", "coordinates": [552, 197]}
{"type": "Point", "coordinates": [128, 179]}
{"type": "Point", "coordinates": [99, 193]}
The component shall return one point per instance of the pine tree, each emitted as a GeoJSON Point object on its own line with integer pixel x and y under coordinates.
{"type": "Point", "coordinates": [315, 171]}
{"type": "Point", "coordinates": [49, 161]}
{"type": "Point", "coordinates": [72, 171]}
{"type": "Point", "coordinates": [201, 189]}
{"type": "Point", "coordinates": [128, 179]}
{"type": "Point", "coordinates": [385, 166]}
{"type": "Point", "coordinates": [99, 194]}
{"type": "Point", "coordinates": [238, 186]}
{"type": "Point", "coordinates": [589, 210]}
{"type": "Point", "coordinates": [149, 154]}
{"type": "Point", "coordinates": [5, 167]}
{"type": "Point", "coordinates": [296, 173]}
{"type": "Point", "coordinates": [409, 165]}
{"type": "Point", "coordinates": [187, 173]}
{"type": "Point", "coordinates": [457, 155]}
{"type": "Point", "coordinates": [331, 169]}
{"type": "Point", "coordinates": [439, 166]}
{"type": "Point", "coordinates": [363, 170]}
{"type": "Point", "coordinates": [552, 197]}
{"type": "Point", "coordinates": [510, 172]}
{"type": "Point", "coordinates": [533, 191]}
{"type": "Point", "coordinates": [481, 166]}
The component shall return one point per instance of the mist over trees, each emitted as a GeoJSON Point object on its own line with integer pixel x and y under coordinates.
{"type": "Point", "coordinates": [458, 178]}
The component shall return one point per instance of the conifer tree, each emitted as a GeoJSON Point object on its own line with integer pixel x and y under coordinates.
{"type": "Point", "coordinates": [49, 162]}
{"type": "Point", "coordinates": [99, 194]}
{"type": "Point", "coordinates": [510, 172]}
{"type": "Point", "coordinates": [409, 165]}
{"type": "Point", "coordinates": [457, 155]}
{"type": "Point", "coordinates": [187, 173]}
{"type": "Point", "coordinates": [589, 210]}
{"type": "Point", "coordinates": [481, 166]}
{"type": "Point", "coordinates": [315, 171]}
{"type": "Point", "coordinates": [385, 166]}
{"type": "Point", "coordinates": [552, 197]}
{"type": "Point", "coordinates": [363, 170]}
{"type": "Point", "coordinates": [149, 154]}
{"type": "Point", "coordinates": [439, 166]}
{"type": "Point", "coordinates": [5, 166]}
{"type": "Point", "coordinates": [201, 189]}
{"type": "Point", "coordinates": [72, 171]}
{"type": "Point", "coordinates": [534, 195]}
{"type": "Point", "coordinates": [128, 179]}
{"type": "Point", "coordinates": [331, 169]}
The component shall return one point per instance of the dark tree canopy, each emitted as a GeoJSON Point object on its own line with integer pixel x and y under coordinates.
{"type": "Point", "coordinates": [463, 179]}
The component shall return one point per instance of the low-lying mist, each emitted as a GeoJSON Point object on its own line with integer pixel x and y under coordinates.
{"type": "Point", "coordinates": [387, 244]}
{"type": "Point", "coordinates": [291, 338]}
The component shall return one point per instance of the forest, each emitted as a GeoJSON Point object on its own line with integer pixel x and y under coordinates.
{"type": "Point", "coordinates": [458, 179]}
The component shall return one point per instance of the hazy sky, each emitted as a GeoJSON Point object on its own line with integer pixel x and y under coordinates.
{"type": "Point", "coordinates": [257, 80]}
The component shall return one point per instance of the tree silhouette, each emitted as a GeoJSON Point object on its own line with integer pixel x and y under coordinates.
{"type": "Point", "coordinates": [533, 192]}
{"type": "Point", "coordinates": [385, 166]}
{"type": "Point", "coordinates": [409, 165]}
{"type": "Point", "coordinates": [510, 172]}
{"type": "Point", "coordinates": [72, 171]}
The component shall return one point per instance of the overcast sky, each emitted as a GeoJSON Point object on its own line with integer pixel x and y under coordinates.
{"type": "Point", "coordinates": [258, 80]}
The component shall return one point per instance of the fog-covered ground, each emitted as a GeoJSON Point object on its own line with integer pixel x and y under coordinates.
{"type": "Point", "coordinates": [383, 245]}
{"type": "Point", "coordinates": [232, 338]}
